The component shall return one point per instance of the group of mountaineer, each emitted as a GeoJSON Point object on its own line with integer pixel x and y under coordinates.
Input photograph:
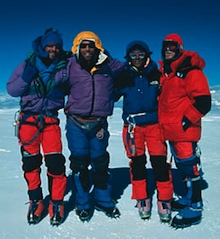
{"type": "Point", "coordinates": [161, 106]}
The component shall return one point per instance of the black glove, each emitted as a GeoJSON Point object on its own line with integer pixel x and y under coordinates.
{"type": "Point", "coordinates": [186, 123]}
{"type": "Point", "coordinates": [154, 75]}
{"type": "Point", "coordinates": [124, 79]}
{"type": "Point", "coordinates": [159, 89]}
{"type": "Point", "coordinates": [29, 72]}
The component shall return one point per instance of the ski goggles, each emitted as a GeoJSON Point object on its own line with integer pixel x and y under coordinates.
{"type": "Point", "coordinates": [139, 55]}
{"type": "Point", "coordinates": [90, 45]}
{"type": "Point", "coordinates": [170, 45]}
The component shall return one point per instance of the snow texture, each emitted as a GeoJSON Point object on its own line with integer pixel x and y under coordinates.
{"type": "Point", "coordinates": [13, 189]}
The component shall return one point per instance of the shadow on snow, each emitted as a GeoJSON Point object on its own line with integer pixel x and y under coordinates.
{"type": "Point", "coordinates": [120, 179]}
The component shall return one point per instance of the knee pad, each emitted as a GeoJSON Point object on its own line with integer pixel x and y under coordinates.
{"type": "Point", "coordinates": [101, 163]}
{"type": "Point", "coordinates": [160, 167]}
{"type": "Point", "coordinates": [31, 163]}
{"type": "Point", "coordinates": [138, 169]}
{"type": "Point", "coordinates": [79, 163]}
{"type": "Point", "coordinates": [55, 163]}
{"type": "Point", "coordinates": [81, 175]}
{"type": "Point", "coordinates": [188, 167]}
{"type": "Point", "coordinates": [100, 173]}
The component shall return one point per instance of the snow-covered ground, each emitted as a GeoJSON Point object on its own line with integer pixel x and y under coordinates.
{"type": "Point", "coordinates": [13, 196]}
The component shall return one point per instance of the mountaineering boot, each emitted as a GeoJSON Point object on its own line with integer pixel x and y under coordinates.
{"type": "Point", "coordinates": [104, 203]}
{"type": "Point", "coordinates": [179, 204]}
{"type": "Point", "coordinates": [144, 208]}
{"type": "Point", "coordinates": [112, 212]}
{"type": "Point", "coordinates": [188, 216]}
{"type": "Point", "coordinates": [56, 211]}
{"type": "Point", "coordinates": [35, 211]}
{"type": "Point", "coordinates": [84, 208]}
{"type": "Point", "coordinates": [193, 194]}
{"type": "Point", "coordinates": [84, 214]}
{"type": "Point", "coordinates": [164, 211]}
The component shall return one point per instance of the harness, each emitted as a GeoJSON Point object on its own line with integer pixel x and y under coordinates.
{"type": "Point", "coordinates": [40, 123]}
{"type": "Point", "coordinates": [130, 133]}
{"type": "Point", "coordinates": [41, 90]}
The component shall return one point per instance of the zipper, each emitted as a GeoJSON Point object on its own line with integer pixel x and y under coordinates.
{"type": "Point", "coordinates": [93, 94]}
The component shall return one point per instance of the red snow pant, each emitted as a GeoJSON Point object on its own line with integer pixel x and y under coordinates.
{"type": "Point", "coordinates": [44, 134]}
{"type": "Point", "coordinates": [148, 138]}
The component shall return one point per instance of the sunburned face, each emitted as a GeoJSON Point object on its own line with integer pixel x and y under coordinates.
{"type": "Point", "coordinates": [87, 49]}
{"type": "Point", "coordinates": [170, 48]}
{"type": "Point", "coordinates": [138, 58]}
{"type": "Point", "coordinates": [53, 50]}
{"type": "Point", "coordinates": [169, 54]}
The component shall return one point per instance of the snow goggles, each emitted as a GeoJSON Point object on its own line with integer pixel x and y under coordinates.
{"type": "Point", "coordinates": [171, 45]}
{"type": "Point", "coordinates": [90, 45]}
{"type": "Point", "coordinates": [139, 55]}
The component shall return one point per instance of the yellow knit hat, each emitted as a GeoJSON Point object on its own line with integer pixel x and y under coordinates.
{"type": "Point", "coordinates": [86, 35]}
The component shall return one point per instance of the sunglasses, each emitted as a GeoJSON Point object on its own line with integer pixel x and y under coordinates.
{"type": "Point", "coordinates": [171, 45]}
{"type": "Point", "coordinates": [140, 55]}
{"type": "Point", "coordinates": [90, 45]}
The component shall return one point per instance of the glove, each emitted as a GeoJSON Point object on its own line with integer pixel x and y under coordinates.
{"type": "Point", "coordinates": [29, 72]}
{"type": "Point", "coordinates": [154, 75]}
{"type": "Point", "coordinates": [124, 79]}
{"type": "Point", "coordinates": [159, 89]}
{"type": "Point", "coordinates": [38, 50]}
{"type": "Point", "coordinates": [186, 123]}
